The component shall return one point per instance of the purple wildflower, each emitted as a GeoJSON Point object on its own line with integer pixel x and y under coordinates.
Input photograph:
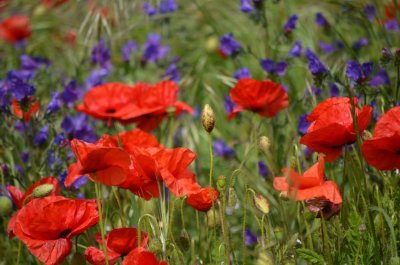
{"type": "Point", "coordinates": [32, 63]}
{"type": "Point", "coordinates": [70, 93]}
{"type": "Point", "coordinates": [250, 238]}
{"type": "Point", "coordinates": [326, 47]}
{"type": "Point", "coordinates": [127, 50]}
{"type": "Point", "coordinates": [357, 72]}
{"type": "Point", "coordinates": [272, 67]}
{"type": "Point", "coordinates": [303, 124]}
{"type": "Point", "coordinates": [296, 49]}
{"type": "Point", "coordinates": [42, 135]}
{"type": "Point", "coordinates": [381, 78]}
{"type": "Point", "coordinates": [153, 50]}
{"type": "Point", "coordinates": [242, 73]}
{"type": "Point", "coordinates": [229, 105]}
{"type": "Point", "coordinates": [101, 55]}
{"type": "Point", "coordinates": [168, 6]}
{"type": "Point", "coordinates": [246, 6]}
{"type": "Point", "coordinates": [96, 77]}
{"type": "Point", "coordinates": [334, 90]}
{"type": "Point", "coordinates": [18, 88]}
{"type": "Point", "coordinates": [222, 149]}
{"type": "Point", "coordinates": [228, 45]}
{"type": "Point", "coordinates": [290, 24]}
{"type": "Point", "coordinates": [25, 157]}
{"type": "Point", "coordinates": [262, 169]}
{"type": "Point", "coordinates": [314, 64]}
{"type": "Point", "coordinates": [78, 127]}
{"type": "Point", "coordinates": [148, 9]}
{"type": "Point", "coordinates": [320, 20]}
{"type": "Point", "coordinates": [172, 73]}
{"type": "Point", "coordinates": [370, 12]}
{"type": "Point", "coordinates": [362, 42]}
{"type": "Point", "coordinates": [54, 104]}
{"type": "Point", "coordinates": [79, 182]}
{"type": "Point", "coordinates": [392, 25]}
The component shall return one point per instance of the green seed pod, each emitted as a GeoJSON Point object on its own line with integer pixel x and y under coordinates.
{"type": "Point", "coordinates": [261, 203]}
{"type": "Point", "coordinates": [208, 118]}
{"type": "Point", "coordinates": [232, 198]}
{"type": "Point", "coordinates": [221, 183]}
{"type": "Point", "coordinates": [42, 190]}
{"type": "Point", "coordinates": [5, 206]}
{"type": "Point", "coordinates": [212, 218]}
{"type": "Point", "coordinates": [184, 240]}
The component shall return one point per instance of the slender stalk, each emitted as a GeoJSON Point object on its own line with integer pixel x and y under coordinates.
{"type": "Point", "coordinates": [325, 241]}
{"type": "Point", "coordinates": [225, 231]}
{"type": "Point", "coordinates": [101, 224]}
{"type": "Point", "coordinates": [19, 252]}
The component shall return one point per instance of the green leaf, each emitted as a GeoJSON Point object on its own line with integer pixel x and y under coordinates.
{"type": "Point", "coordinates": [310, 256]}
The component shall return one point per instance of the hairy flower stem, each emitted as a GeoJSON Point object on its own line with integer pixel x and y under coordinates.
{"type": "Point", "coordinates": [19, 252]}
{"type": "Point", "coordinates": [325, 241]}
{"type": "Point", "coordinates": [225, 231]}
{"type": "Point", "coordinates": [211, 180]}
{"type": "Point", "coordinates": [101, 224]}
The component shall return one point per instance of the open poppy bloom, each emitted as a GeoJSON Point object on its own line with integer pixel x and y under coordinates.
{"type": "Point", "coordinates": [201, 200]}
{"type": "Point", "coordinates": [265, 98]}
{"type": "Point", "coordinates": [110, 101]}
{"type": "Point", "coordinates": [310, 185]}
{"type": "Point", "coordinates": [332, 126]}
{"type": "Point", "coordinates": [120, 242]}
{"type": "Point", "coordinates": [141, 256]}
{"type": "Point", "coordinates": [152, 104]}
{"type": "Point", "coordinates": [15, 28]}
{"type": "Point", "coordinates": [33, 108]}
{"type": "Point", "coordinates": [46, 225]}
{"type": "Point", "coordinates": [383, 150]}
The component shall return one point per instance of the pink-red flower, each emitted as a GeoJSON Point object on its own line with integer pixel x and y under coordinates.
{"type": "Point", "coordinates": [119, 242]}
{"type": "Point", "coordinates": [310, 185]}
{"type": "Point", "coordinates": [201, 199]}
{"type": "Point", "coordinates": [141, 256]}
{"type": "Point", "coordinates": [15, 28]}
{"type": "Point", "coordinates": [33, 108]}
{"type": "Point", "coordinates": [383, 150]}
{"type": "Point", "coordinates": [332, 126]}
{"type": "Point", "coordinates": [47, 225]}
{"type": "Point", "coordinates": [265, 98]}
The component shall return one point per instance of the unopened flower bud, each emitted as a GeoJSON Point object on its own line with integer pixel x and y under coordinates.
{"type": "Point", "coordinates": [264, 143]}
{"type": "Point", "coordinates": [366, 135]}
{"type": "Point", "coordinates": [232, 198]}
{"type": "Point", "coordinates": [221, 183]}
{"type": "Point", "coordinates": [212, 218]}
{"type": "Point", "coordinates": [261, 203]}
{"type": "Point", "coordinates": [5, 206]}
{"type": "Point", "coordinates": [293, 162]}
{"type": "Point", "coordinates": [184, 240]}
{"type": "Point", "coordinates": [42, 190]}
{"type": "Point", "coordinates": [208, 118]}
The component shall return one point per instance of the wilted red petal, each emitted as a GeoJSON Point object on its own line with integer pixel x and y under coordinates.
{"type": "Point", "coordinates": [141, 256]}
{"type": "Point", "coordinates": [15, 28]}
{"type": "Point", "coordinates": [96, 256]}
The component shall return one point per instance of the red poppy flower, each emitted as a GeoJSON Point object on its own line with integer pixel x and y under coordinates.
{"type": "Point", "coordinates": [33, 108]}
{"type": "Point", "coordinates": [310, 185]}
{"type": "Point", "coordinates": [109, 102]}
{"type": "Point", "coordinates": [38, 225]}
{"type": "Point", "coordinates": [153, 104]}
{"type": "Point", "coordinates": [263, 97]}
{"type": "Point", "coordinates": [390, 10]}
{"type": "Point", "coordinates": [120, 242]}
{"type": "Point", "coordinates": [141, 256]}
{"type": "Point", "coordinates": [135, 139]}
{"type": "Point", "coordinates": [201, 200]}
{"type": "Point", "coordinates": [20, 198]}
{"type": "Point", "coordinates": [332, 126]}
{"type": "Point", "coordinates": [383, 150]}
{"type": "Point", "coordinates": [104, 158]}
{"type": "Point", "coordinates": [15, 28]}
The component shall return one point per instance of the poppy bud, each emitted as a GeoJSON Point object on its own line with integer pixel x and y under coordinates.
{"type": "Point", "coordinates": [264, 144]}
{"type": "Point", "coordinates": [265, 259]}
{"type": "Point", "coordinates": [208, 118]}
{"type": "Point", "coordinates": [278, 231]}
{"type": "Point", "coordinates": [42, 190]}
{"type": "Point", "coordinates": [366, 135]}
{"type": "Point", "coordinates": [232, 198]}
{"type": "Point", "coordinates": [5, 206]}
{"type": "Point", "coordinates": [184, 240]}
{"type": "Point", "coordinates": [212, 218]}
{"type": "Point", "coordinates": [261, 203]}
{"type": "Point", "coordinates": [221, 183]}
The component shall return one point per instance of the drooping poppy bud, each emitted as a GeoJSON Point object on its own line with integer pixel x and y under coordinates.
{"type": "Point", "coordinates": [42, 190]}
{"type": "Point", "coordinates": [221, 183]}
{"type": "Point", "coordinates": [261, 203]}
{"type": "Point", "coordinates": [184, 240]}
{"type": "Point", "coordinates": [5, 206]}
{"type": "Point", "coordinates": [212, 218]}
{"type": "Point", "coordinates": [264, 143]}
{"type": "Point", "coordinates": [208, 118]}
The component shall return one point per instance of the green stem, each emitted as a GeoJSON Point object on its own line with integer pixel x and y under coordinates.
{"type": "Point", "coordinates": [225, 231]}
{"type": "Point", "coordinates": [325, 241]}
{"type": "Point", "coordinates": [19, 251]}
{"type": "Point", "coordinates": [99, 206]}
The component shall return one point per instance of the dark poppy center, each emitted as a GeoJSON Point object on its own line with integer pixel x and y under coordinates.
{"type": "Point", "coordinates": [64, 233]}
{"type": "Point", "coordinates": [110, 111]}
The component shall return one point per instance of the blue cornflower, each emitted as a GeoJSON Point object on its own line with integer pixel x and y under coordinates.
{"type": "Point", "coordinates": [153, 50]}
{"type": "Point", "coordinates": [222, 149]}
{"type": "Point", "coordinates": [357, 72]}
{"type": "Point", "coordinates": [42, 135]}
{"type": "Point", "coordinates": [228, 45]}
{"type": "Point", "coordinates": [290, 24]}
{"type": "Point", "coordinates": [71, 93]}
{"type": "Point", "coordinates": [168, 6]}
{"type": "Point", "coordinates": [381, 78]}
{"type": "Point", "coordinates": [262, 169]}
{"type": "Point", "coordinates": [242, 73]}
{"type": "Point", "coordinates": [54, 104]}
{"type": "Point", "coordinates": [362, 42]}
{"type": "Point", "coordinates": [315, 66]}
{"type": "Point", "coordinates": [334, 90]}
{"type": "Point", "coordinates": [172, 73]}
{"type": "Point", "coordinates": [250, 238]}
{"type": "Point", "coordinates": [127, 50]}
{"type": "Point", "coordinates": [101, 55]}
{"type": "Point", "coordinates": [303, 124]}
{"type": "Point", "coordinates": [246, 6]}
{"type": "Point", "coordinates": [273, 67]}
{"type": "Point", "coordinates": [370, 12]}
{"type": "Point", "coordinates": [326, 47]}
{"type": "Point", "coordinates": [149, 9]}
{"type": "Point", "coordinates": [18, 88]}
{"type": "Point", "coordinates": [320, 20]}
{"type": "Point", "coordinates": [296, 49]}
